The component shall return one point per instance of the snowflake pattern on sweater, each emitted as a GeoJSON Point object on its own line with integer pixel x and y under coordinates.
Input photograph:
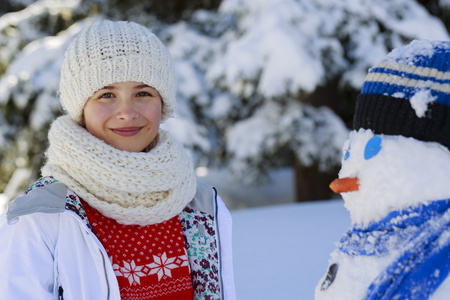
{"type": "Point", "coordinates": [150, 262]}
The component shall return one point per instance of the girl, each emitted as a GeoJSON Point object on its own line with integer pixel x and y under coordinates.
{"type": "Point", "coordinates": [118, 213]}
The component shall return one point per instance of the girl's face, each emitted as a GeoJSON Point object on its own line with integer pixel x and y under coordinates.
{"type": "Point", "coordinates": [125, 115]}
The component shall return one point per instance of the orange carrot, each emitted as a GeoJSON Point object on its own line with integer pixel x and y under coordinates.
{"type": "Point", "coordinates": [343, 185]}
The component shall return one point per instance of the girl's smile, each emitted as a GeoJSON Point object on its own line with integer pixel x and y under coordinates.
{"type": "Point", "coordinates": [127, 131]}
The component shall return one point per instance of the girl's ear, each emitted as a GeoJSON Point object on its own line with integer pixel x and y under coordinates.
{"type": "Point", "coordinates": [163, 107]}
{"type": "Point", "coordinates": [82, 123]}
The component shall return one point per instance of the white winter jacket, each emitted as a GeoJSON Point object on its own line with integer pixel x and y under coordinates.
{"type": "Point", "coordinates": [48, 252]}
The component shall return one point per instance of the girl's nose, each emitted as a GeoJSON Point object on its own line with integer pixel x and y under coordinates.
{"type": "Point", "coordinates": [127, 110]}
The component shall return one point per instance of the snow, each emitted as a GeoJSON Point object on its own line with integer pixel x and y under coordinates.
{"type": "Point", "coordinates": [282, 251]}
{"type": "Point", "coordinates": [192, 134]}
{"type": "Point", "coordinates": [19, 177]}
{"type": "Point", "coordinates": [247, 145]}
{"type": "Point", "coordinates": [315, 134]}
{"type": "Point", "coordinates": [415, 49]}
{"type": "Point", "coordinates": [409, 19]}
{"type": "Point", "coordinates": [221, 105]}
{"type": "Point", "coordinates": [278, 189]}
{"type": "Point", "coordinates": [271, 49]}
{"type": "Point", "coordinates": [36, 70]}
{"type": "Point", "coordinates": [420, 101]}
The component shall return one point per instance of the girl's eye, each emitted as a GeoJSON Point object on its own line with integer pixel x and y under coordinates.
{"type": "Point", "coordinates": [373, 146]}
{"type": "Point", "coordinates": [143, 94]}
{"type": "Point", "coordinates": [107, 95]}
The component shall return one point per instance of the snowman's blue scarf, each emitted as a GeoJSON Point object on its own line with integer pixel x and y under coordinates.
{"type": "Point", "coordinates": [419, 237]}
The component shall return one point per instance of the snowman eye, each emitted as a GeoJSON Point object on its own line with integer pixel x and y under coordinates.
{"type": "Point", "coordinates": [347, 153]}
{"type": "Point", "coordinates": [373, 146]}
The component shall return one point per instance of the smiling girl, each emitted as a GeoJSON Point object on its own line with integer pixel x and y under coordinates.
{"type": "Point", "coordinates": [118, 213]}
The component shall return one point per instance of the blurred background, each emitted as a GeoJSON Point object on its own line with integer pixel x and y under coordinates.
{"type": "Point", "coordinates": [266, 88]}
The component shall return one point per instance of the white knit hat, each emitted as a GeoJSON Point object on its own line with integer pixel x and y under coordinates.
{"type": "Point", "coordinates": [110, 52]}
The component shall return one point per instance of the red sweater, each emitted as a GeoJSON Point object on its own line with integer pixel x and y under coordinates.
{"type": "Point", "coordinates": [150, 261]}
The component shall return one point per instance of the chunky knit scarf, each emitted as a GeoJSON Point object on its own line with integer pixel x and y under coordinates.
{"type": "Point", "coordinates": [418, 238]}
{"type": "Point", "coordinates": [140, 188]}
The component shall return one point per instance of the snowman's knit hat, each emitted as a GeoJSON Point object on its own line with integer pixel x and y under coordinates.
{"type": "Point", "coordinates": [408, 93]}
{"type": "Point", "coordinates": [110, 52]}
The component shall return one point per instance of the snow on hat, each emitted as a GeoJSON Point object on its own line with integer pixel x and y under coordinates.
{"type": "Point", "coordinates": [408, 93]}
{"type": "Point", "coordinates": [110, 52]}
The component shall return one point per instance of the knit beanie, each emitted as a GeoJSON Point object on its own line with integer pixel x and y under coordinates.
{"type": "Point", "coordinates": [408, 93]}
{"type": "Point", "coordinates": [110, 52]}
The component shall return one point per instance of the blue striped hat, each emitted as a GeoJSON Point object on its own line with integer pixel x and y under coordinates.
{"type": "Point", "coordinates": [408, 93]}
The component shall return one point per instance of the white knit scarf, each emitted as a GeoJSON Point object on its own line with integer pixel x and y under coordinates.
{"type": "Point", "coordinates": [140, 188]}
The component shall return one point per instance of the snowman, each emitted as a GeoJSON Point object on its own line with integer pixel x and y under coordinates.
{"type": "Point", "coordinates": [395, 182]}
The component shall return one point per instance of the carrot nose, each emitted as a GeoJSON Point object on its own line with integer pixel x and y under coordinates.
{"type": "Point", "coordinates": [343, 185]}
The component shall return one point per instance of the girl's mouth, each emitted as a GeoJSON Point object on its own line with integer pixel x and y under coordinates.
{"type": "Point", "coordinates": [127, 131]}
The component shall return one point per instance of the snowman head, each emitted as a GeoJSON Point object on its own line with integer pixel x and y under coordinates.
{"type": "Point", "coordinates": [398, 154]}
{"type": "Point", "coordinates": [391, 172]}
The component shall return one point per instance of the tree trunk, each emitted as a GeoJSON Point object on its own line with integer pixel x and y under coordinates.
{"type": "Point", "coordinates": [311, 184]}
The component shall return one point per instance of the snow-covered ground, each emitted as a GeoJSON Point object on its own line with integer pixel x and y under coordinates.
{"type": "Point", "coordinates": [282, 251]}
